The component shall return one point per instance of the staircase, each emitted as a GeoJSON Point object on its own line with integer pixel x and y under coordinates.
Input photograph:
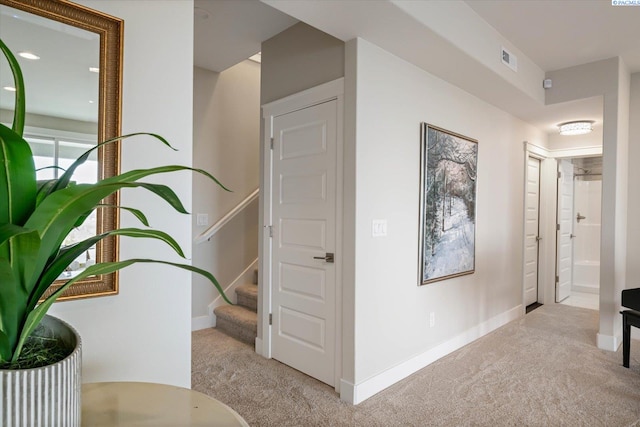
{"type": "Point", "coordinates": [240, 321]}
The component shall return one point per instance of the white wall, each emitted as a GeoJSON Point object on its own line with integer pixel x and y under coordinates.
{"type": "Point", "coordinates": [608, 78]}
{"type": "Point", "coordinates": [390, 327]}
{"type": "Point", "coordinates": [633, 240]}
{"type": "Point", "coordinates": [143, 334]}
{"type": "Point", "coordinates": [226, 143]}
{"type": "Point", "coordinates": [299, 58]}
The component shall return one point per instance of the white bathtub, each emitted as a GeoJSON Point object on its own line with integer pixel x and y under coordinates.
{"type": "Point", "coordinates": [586, 276]}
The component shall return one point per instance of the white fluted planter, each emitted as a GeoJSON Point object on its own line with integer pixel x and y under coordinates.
{"type": "Point", "coordinates": [46, 396]}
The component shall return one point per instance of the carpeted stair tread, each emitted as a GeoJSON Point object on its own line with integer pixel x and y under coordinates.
{"type": "Point", "coordinates": [240, 315]}
{"type": "Point", "coordinates": [237, 322]}
{"type": "Point", "coordinates": [247, 296]}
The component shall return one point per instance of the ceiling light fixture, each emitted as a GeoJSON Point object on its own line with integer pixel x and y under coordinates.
{"type": "Point", "coordinates": [94, 69]}
{"type": "Point", "coordinates": [579, 127]}
{"type": "Point", "coordinates": [9, 88]}
{"type": "Point", "coordinates": [29, 55]}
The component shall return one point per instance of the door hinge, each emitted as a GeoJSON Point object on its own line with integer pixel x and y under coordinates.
{"type": "Point", "coordinates": [270, 231]}
{"type": "Point", "coordinates": [558, 227]}
{"type": "Point", "coordinates": [557, 281]}
{"type": "Point", "coordinates": [271, 143]}
{"type": "Point", "coordinates": [270, 318]}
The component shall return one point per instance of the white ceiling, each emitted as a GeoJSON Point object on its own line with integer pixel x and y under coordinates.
{"type": "Point", "coordinates": [554, 34]}
{"type": "Point", "coordinates": [557, 34]}
{"type": "Point", "coordinates": [59, 83]}
{"type": "Point", "coordinates": [229, 31]}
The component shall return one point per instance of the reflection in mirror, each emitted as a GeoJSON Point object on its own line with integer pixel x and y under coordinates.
{"type": "Point", "coordinates": [60, 64]}
{"type": "Point", "coordinates": [71, 60]}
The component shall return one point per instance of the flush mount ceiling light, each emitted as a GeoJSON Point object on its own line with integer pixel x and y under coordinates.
{"type": "Point", "coordinates": [579, 127]}
{"type": "Point", "coordinates": [9, 88]}
{"type": "Point", "coordinates": [29, 55]}
{"type": "Point", "coordinates": [94, 69]}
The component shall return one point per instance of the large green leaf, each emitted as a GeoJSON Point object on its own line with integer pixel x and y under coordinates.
{"type": "Point", "coordinates": [9, 310]}
{"type": "Point", "coordinates": [59, 212]}
{"type": "Point", "coordinates": [7, 231]}
{"type": "Point", "coordinates": [135, 212]}
{"type": "Point", "coordinates": [36, 315]}
{"type": "Point", "coordinates": [20, 106]}
{"type": "Point", "coordinates": [69, 253]}
{"type": "Point", "coordinates": [137, 174]}
{"type": "Point", "coordinates": [17, 178]}
{"type": "Point", "coordinates": [64, 180]}
{"type": "Point", "coordinates": [163, 191]}
{"type": "Point", "coordinates": [26, 246]}
{"type": "Point", "coordinates": [23, 245]}
{"type": "Point", "coordinates": [5, 347]}
{"type": "Point", "coordinates": [43, 189]}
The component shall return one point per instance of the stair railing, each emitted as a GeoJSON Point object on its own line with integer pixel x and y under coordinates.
{"type": "Point", "coordinates": [209, 232]}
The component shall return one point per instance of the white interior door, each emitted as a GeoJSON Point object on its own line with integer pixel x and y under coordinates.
{"type": "Point", "coordinates": [532, 232]}
{"type": "Point", "coordinates": [564, 268]}
{"type": "Point", "coordinates": [304, 240]}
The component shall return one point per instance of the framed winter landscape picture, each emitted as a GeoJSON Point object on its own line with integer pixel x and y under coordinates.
{"type": "Point", "coordinates": [448, 166]}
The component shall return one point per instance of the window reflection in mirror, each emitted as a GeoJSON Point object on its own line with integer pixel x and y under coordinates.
{"type": "Point", "coordinates": [54, 154]}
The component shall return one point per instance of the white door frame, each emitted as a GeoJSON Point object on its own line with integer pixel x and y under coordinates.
{"type": "Point", "coordinates": [533, 151]}
{"type": "Point", "coordinates": [548, 202]}
{"type": "Point", "coordinates": [564, 233]}
{"type": "Point", "coordinates": [538, 226]}
{"type": "Point", "coordinates": [333, 90]}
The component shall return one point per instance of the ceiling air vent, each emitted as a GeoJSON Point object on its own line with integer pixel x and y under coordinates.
{"type": "Point", "coordinates": [509, 59]}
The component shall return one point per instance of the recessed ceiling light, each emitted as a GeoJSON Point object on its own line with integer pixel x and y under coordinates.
{"type": "Point", "coordinates": [94, 69]}
{"type": "Point", "coordinates": [579, 127]}
{"type": "Point", "coordinates": [29, 55]}
{"type": "Point", "coordinates": [90, 102]}
{"type": "Point", "coordinates": [9, 88]}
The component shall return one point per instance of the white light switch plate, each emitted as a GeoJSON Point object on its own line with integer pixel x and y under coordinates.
{"type": "Point", "coordinates": [379, 227]}
{"type": "Point", "coordinates": [202, 219]}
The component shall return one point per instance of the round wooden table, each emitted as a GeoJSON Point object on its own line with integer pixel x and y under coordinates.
{"type": "Point", "coordinates": [117, 404]}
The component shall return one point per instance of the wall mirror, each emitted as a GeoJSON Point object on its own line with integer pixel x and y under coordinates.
{"type": "Point", "coordinates": [73, 94]}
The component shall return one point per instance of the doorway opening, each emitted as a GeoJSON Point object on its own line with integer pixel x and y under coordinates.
{"type": "Point", "coordinates": [584, 236]}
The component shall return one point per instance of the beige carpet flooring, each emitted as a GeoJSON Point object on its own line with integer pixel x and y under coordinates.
{"type": "Point", "coordinates": [541, 370]}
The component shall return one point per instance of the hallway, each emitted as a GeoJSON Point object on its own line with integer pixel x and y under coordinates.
{"type": "Point", "coordinates": [542, 369]}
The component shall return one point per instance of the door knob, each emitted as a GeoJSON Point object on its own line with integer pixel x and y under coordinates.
{"type": "Point", "coordinates": [327, 258]}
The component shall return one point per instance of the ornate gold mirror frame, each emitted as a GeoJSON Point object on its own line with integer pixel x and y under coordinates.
{"type": "Point", "coordinates": [110, 31]}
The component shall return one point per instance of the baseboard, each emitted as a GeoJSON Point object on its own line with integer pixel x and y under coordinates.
{"type": "Point", "coordinates": [259, 346]}
{"type": "Point", "coordinates": [202, 322]}
{"type": "Point", "coordinates": [358, 393]}
{"type": "Point", "coordinates": [347, 392]}
{"type": "Point", "coordinates": [609, 342]}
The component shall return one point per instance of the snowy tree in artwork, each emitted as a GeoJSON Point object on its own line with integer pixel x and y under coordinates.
{"type": "Point", "coordinates": [448, 204]}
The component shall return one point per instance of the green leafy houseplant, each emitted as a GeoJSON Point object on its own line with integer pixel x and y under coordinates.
{"type": "Point", "coordinates": [36, 216]}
